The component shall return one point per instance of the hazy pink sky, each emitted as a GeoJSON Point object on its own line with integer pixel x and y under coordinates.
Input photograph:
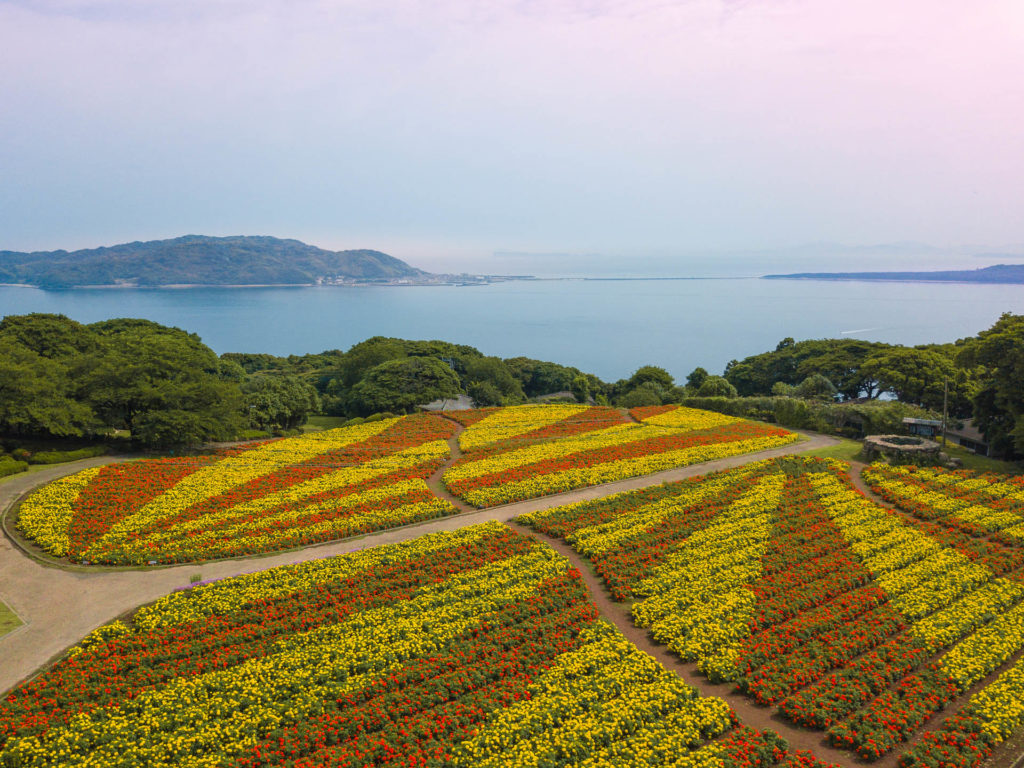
{"type": "Point", "coordinates": [448, 130]}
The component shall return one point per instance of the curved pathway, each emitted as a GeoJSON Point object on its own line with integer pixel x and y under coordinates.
{"type": "Point", "coordinates": [59, 606]}
{"type": "Point", "coordinates": [761, 718]}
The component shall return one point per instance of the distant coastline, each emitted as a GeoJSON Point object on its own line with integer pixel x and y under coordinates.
{"type": "Point", "coordinates": [999, 274]}
{"type": "Point", "coordinates": [437, 280]}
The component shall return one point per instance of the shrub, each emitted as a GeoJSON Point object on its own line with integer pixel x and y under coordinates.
{"type": "Point", "coordinates": [716, 386]}
{"type": "Point", "coordinates": [11, 466]}
{"type": "Point", "coordinates": [59, 457]}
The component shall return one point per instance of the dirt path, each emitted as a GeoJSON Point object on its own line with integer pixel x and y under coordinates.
{"type": "Point", "coordinates": [60, 606]}
{"type": "Point", "coordinates": [750, 714]}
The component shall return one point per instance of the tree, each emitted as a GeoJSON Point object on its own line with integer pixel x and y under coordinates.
{"type": "Point", "coordinates": [143, 369]}
{"type": "Point", "coordinates": [278, 402]}
{"type": "Point", "coordinates": [651, 373]}
{"type": "Point", "coordinates": [365, 355]}
{"type": "Point", "coordinates": [55, 337]}
{"type": "Point", "coordinates": [34, 396]}
{"type": "Point", "coordinates": [485, 394]}
{"type": "Point", "coordinates": [493, 371]}
{"type": "Point", "coordinates": [538, 377]}
{"type": "Point", "coordinates": [401, 385]}
{"type": "Point", "coordinates": [716, 386]}
{"type": "Point", "coordinates": [580, 389]}
{"type": "Point", "coordinates": [697, 377]}
{"type": "Point", "coordinates": [913, 375]}
{"type": "Point", "coordinates": [816, 387]}
{"type": "Point", "coordinates": [640, 397]}
{"type": "Point", "coordinates": [998, 354]}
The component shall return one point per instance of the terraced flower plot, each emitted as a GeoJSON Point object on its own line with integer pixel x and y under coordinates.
{"type": "Point", "coordinates": [845, 616]}
{"type": "Point", "coordinates": [279, 494]}
{"type": "Point", "coordinates": [475, 648]}
{"type": "Point", "coordinates": [975, 502]}
{"type": "Point", "coordinates": [521, 453]}
{"type": "Point", "coordinates": [342, 482]}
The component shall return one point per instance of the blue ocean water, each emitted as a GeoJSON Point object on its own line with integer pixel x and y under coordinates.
{"type": "Point", "coordinates": [607, 327]}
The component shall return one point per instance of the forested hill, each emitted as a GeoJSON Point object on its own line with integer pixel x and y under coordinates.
{"type": "Point", "coordinates": [1000, 273]}
{"type": "Point", "coordinates": [199, 260]}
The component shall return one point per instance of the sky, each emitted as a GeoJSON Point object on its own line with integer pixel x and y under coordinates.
{"type": "Point", "coordinates": [458, 133]}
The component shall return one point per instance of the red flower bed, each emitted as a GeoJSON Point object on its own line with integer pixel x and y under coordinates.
{"type": "Point", "coordinates": [715, 436]}
{"type": "Point", "coordinates": [120, 490]}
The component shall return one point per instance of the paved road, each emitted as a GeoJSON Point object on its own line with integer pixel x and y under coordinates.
{"type": "Point", "coordinates": [60, 606]}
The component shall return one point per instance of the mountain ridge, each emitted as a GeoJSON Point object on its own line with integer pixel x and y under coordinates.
{"type": "Point", "coordinates": [202, 260]}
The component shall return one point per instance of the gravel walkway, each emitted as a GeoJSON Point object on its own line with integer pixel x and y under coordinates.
{"type": "Point", "coordinates": [60, 606]}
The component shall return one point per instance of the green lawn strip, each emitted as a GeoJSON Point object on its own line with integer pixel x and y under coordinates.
{"type": "Point", "coordinates": [980, 463]}
{"type": "Point", "coordinates": [8, 620]}
{"type": "Point", "coordinates": [326, 422]}
{"type": "Point", "coordinates": [847, 450]}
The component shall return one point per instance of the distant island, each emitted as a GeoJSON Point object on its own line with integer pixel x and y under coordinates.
{"type": "Point", "coordinates": [1008, 274]}
{"type": "Point", "coordinates": [197, 260]}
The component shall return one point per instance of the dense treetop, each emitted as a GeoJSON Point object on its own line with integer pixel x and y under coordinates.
{"type": "Point", "coordinates": [59, 378]}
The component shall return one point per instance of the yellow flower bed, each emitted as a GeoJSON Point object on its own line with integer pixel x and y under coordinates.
{"type": "Point", "coordinates": [512, 422]}
{"type": "Point", "coordinates": [1000, 706]}
{"type": "Point", "coordinates": [689, 419]}
{"type": "Point", "coordinates": [236, 470]}
{"type": "Point", "coordinates": [596, 539]}
{"type": "Point", "coordinates": [603, 704]}
{"type": "Point", "coordinates": [697, 602]}
{"type": "Point", "coordinates": [571, 479]}
{"type": "Point", "coordinates": [191, 714]}
{"type": "Point", "coordinates": [46, 514]}
{"type": "Point", "coordinates": [227, 596]}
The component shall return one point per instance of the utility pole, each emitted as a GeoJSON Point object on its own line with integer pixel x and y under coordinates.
{"type": "Point", "coordinates": [945, 410]}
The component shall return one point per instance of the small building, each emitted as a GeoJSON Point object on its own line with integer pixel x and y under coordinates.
{"type": "Point", "coordinates": [923, 427]}
{"type": "Point", "coordinates": [970, 437]}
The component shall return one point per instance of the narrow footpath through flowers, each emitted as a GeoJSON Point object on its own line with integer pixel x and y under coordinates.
{"type": "Point", "coordinates": [61, 604]}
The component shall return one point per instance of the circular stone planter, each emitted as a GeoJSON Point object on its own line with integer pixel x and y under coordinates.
{"type": "Point", "coordinates": [901, 448]}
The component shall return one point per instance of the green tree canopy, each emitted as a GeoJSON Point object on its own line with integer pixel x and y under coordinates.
{"type": "Point", "coordinates": [279, 402]}
{"type": "Point", "coordinates": [55, 337]}
{"type": "Point", "coordinates": [497, 374]}
{"type": "Point", "coordinates": [716, 386]}
{"type": "Point", "coordinates": [401, 385]}
{"type": "Point", "coordinates": [816, 387]}
{"type": "Point", "coordinates": [35, 398]}
{"type": "Point", "coordinates": [913, 375]}
{"type": "Point", "coordinates": [696, 378]}
{"type": "Point", "coordinates": [652, 373]}
{"type": "Point", "coordinates": [998, 354]}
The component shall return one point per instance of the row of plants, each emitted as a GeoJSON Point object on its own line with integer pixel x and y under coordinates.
{"type": "Point", "coordinates": [360, 478]}
{"type": "Point", "coordinates": [781, 577]}
{"type": "Point", "coordinates": [478, 647]}
{"type": "Point", "coordinates": [578, 452]}
{"type": "Point", "coordinates": [976, 502]}
{"type": "Point", "coordinates": [258, 498]}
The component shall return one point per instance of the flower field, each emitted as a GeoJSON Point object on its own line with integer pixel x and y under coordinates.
{"type": "Point", "coordinates": [473, 648]}
{"type": "Point", "coordinates": [782, 579]}
{"type": "Point", "coordinates": [523, 452]}
{"type": "Point", "coordinates": [974, 502]}
{"type": "Point", "coordinates": [271, 496]}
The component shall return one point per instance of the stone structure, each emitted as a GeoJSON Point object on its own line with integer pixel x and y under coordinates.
{"type": "Point", "coordinates": [910, 450]}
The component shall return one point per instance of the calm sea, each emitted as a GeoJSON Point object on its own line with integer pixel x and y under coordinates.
{"type": "Point", "coordinates": [606, 327]}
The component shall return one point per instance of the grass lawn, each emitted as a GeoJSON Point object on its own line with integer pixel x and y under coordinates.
{"type": "Point", "coordinates": [8, 620]}
{"type": "Point", "coordinates": [847, 450]}
{"type": "Point", "coordinates": [318, 423]}
{"type": "Point", "coordinates": [981, 463]}
{"type": "Point", "coordinates": [31, 468]}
